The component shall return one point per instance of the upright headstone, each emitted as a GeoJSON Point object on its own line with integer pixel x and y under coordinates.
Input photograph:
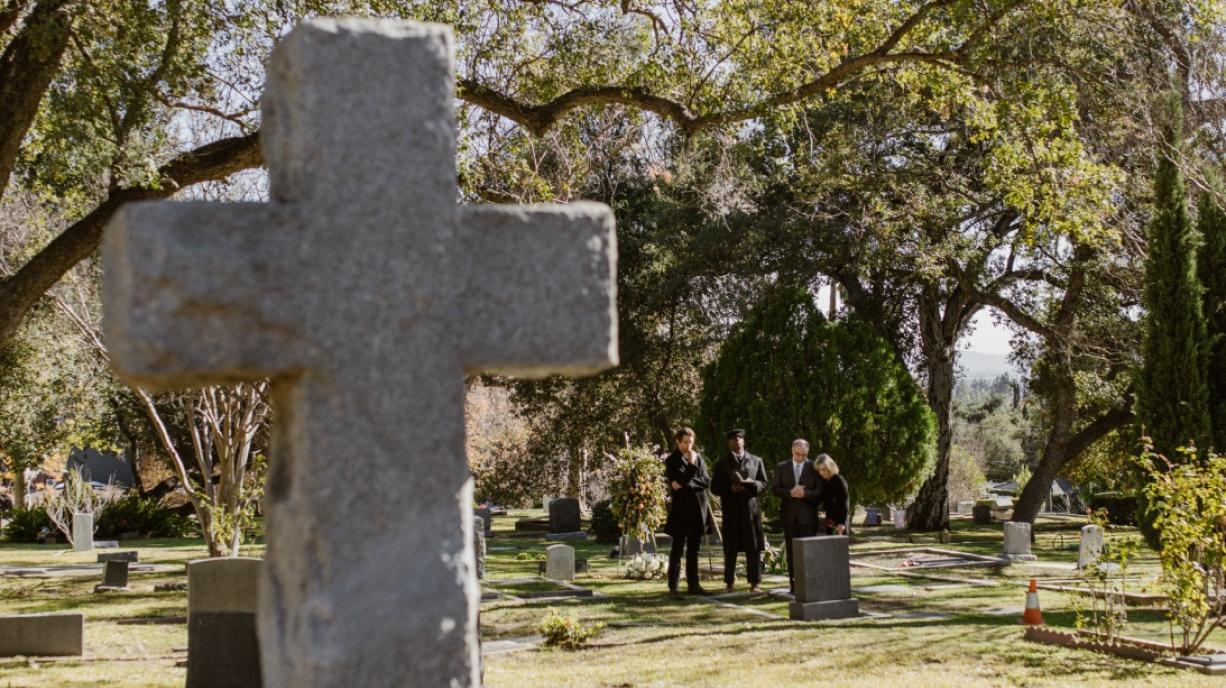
{"type": "Point", "coordinates": [1091, 547]}
{"type": "Point", "coordinates": [560, 562]}
{"type": "Point", "coordinates": [114, 576]}
{"type": "Point", "coordinates": [545, 500]}
{"type": "Point", "coordinates": [565, 520]}
{"type": "Point", "coordinates": [823, 579]}
{"type": "Point", "coordinates": [223, 648]}
{"type": "Point", "coordinates": [1017, 541]}
{"type": "Point", "coordinates": [872, 516]}
{"type": "Point", "coordinates": [479, 545]}
{"type": "Point", "coordinates": [484, 514]}
{"type": "Point", "coordinates": [38, 635]}
{"type": "Point", "coordinates": [367, 294]}
{"type": "Point", "coordinates": [900, 517]}
{"type": "Point", "coordinates": [965, 508]}
{"type": "Point", "coordinates": [83, 532]}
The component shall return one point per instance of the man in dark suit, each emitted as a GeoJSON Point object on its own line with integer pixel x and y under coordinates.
{"type": "Point", "coordinates": [738, 479]}
{"type": "Point", "coordinates": [798, 488]}
{"type": "Point", "coordinates": [688, 514]}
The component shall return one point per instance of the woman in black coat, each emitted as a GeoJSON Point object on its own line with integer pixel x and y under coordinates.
{"type": "Point", "coordinates": [688, 514]}
{"type": "Point", "coordinates": [834, 498]}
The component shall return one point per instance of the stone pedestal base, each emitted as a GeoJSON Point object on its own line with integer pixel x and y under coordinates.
{"type": "Point", "coordinates": [830, 609]}
{"type": "Point", "coordinates": [1020, 557]}
{"type": "Point", "coordinates": [576, 535]}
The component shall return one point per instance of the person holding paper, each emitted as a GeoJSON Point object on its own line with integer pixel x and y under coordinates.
{"type": "Point", "coordinates": [798, 487]}
{"type": "Point", "coordinates": [738, 479]}
{"type": "Point", "coordinates": [688, 514]}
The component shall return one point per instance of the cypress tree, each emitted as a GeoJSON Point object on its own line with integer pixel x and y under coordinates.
{"type": "Point", "coordinates": [1172, 395]}
{"type": "Point", "coordinates": [787, 372]}
{"type": "Point", "coordinates": [1211, 267]}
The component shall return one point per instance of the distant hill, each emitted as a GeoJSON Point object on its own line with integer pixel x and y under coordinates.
{"type": "Point", "coordinates": [973, 364]}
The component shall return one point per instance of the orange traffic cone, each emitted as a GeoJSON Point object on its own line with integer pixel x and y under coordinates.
{"type": "Point", "coordinates": [1033, 616]}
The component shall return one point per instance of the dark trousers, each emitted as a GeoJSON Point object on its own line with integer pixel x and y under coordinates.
{"type": "Point", "coordinates": [795, 530]}
{"type": "Point", "coordinates": [690, 543]}
{"type": "Point", "coordinates": [753, 566]}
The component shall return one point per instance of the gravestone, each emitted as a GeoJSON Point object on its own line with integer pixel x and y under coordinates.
{"type": "Point", "coordinates": [127, 555]}
{"type": "Point", "coordinates": [1017, 541]}
{"type": "Point", "coordinates": [900, 517]}
{"type": "Point", "coordinates": [37, 635]}
{"type": "Point", "coordinates": [484, 514]}
{"type": "Point", "coordinates": [631, 545]}
{"type": "Point", "coordinates": [560, 562]}
{"type": "Point", "coordinates": [564, 516]}
{"type": "Point", "coordinates": [114, 577]}
{"type": "Point", "coordinates": [964, 508]}
{"type": "Point", "coordinates": [872, 516]}
{"type": "Point", "coordinates": [981, 513]}
{"type": "Point", "coordinates": [83, 532]}
{"type": "Point", "coordinates": [367, 295]}
{"type": "Point", "coordinates": [545, 500]}
{"type": "Point", "coordinates": [479, 545]}
{"type": "Point", "coordinates": [222, 644]}
{"type": "Point", "coordinates": [823, 579]}
{"type": "Point", "coordinates": [1091, 546]}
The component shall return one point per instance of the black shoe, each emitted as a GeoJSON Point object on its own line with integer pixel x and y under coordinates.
{"type": "Point", "coordinates": [699, 590]}
{"type": "Point", "coordinates": [673, 593]}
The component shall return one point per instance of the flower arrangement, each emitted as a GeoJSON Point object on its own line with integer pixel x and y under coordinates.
{"type": "Point", "coordinates": [637, 491]}
{"type": "Point", "coordinates": [565, 632]}
{"type": "Point", "coordinates": [645, 567]}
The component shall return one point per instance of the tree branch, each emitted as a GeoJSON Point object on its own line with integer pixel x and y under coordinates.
{"type": "Point", "coordinates": [212, 161]}
{"type": "Point", "coordinates": [26, 68]}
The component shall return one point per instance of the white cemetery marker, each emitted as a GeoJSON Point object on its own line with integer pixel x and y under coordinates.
{"type": "Point", "coordinates": [1091, 545]}
{"type": "Point", "coordinates": [367, 294]}
{"type": "Point", "coordinates": [82, 532]}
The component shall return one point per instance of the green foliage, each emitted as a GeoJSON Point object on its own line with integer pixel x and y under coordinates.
{"type": "Point", "coordinates": [144, 515]}
{"type": "Point", "coordinates": [24, 525]}
{"type": "Point", "coordinates": [1211, 268]}
{"type": "Point", "coordinates": [1187, 501]}
{"type": "Point", "coordinates": [785, 372]}
{"type": "Point", "coordinates": [1119, 509]}
{"type": "Point", "coordinates": [637, 491]}
{"type": "Point", "coordinates": [1172, 394]}
{"type": "Point", "coordinates": [565, 632]}
{"type": "Point", "coordinates": [604, 523]}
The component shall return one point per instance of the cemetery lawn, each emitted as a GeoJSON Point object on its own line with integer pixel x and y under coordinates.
{"type": "Point", "coordinates": [959, 627]}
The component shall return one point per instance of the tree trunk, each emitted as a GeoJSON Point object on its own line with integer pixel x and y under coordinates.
{"type": "Point", "coordinates": [19, 486]}
{"type": "Point", "coordinates": [1062, 403]}
{"type": "Point", "coordinates": [931, 509]}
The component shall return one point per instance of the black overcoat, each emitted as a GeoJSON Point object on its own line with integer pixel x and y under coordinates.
{"type": "Point", "coordinates": [742, 522]}
{"type": "Point", "coordinates": [688, 513]}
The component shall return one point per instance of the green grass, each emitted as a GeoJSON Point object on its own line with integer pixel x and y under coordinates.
{"type": "Point", "coordinates": [926, 632]}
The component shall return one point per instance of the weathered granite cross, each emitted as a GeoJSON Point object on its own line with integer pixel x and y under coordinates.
{"type": "Point", "coordinates": [366, 292]}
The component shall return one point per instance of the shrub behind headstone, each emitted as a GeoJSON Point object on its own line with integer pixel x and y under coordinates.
{"type": "Point", "coordinates": [24, 525]}
{"type": "Point", "coordinates": [604, 523]}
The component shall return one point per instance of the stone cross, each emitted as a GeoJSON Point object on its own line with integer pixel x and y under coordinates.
{"type": "Point", "coordinates": [367, 293]}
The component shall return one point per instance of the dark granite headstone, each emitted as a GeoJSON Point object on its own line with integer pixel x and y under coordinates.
{"type": "Point", "coordinates": [223, 650]}
{"type": "Point", "coordinates": [483, 513]}
{"type": "Point", "coordinates": [115, 575]}
{"type": "Point", "coordinates": [872, 516]}
{"type": "Point", "coordinates": [564, 515]}
{"type": "Point", "coordinates": [126, 555]}
{"type": "Point", "coordinates": [823, 579]}
{"type": "Point", "coordinates": [982, 514]}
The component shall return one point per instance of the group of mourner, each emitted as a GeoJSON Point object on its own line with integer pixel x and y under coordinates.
{"type": "Point", "coordinates": [804, 487]}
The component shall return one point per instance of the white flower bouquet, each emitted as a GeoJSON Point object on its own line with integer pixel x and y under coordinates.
{"type": "Point", "coordinates": [646, 567]}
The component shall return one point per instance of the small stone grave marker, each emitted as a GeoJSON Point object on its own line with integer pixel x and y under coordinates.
{"type": "Point", "coordinates": [560, 562]}
{"type": "Point", "coordinates": [222, 645]}
{"type": "Point", "coordinates": [823, 579]}
{"type": "Point", "coordinates": [1017, 541]}
{"type": "Point", "coordinates": [900, 517]}
{"type": "Point", "coordinates": [1091, 546]}
{"type": "Point", "coordinates": [126, 555]}
{"type": "Point", "coordinates": [37, 635]}
{"type": "Point", "coordinates": [872, 516]}
{"type": "Point", "coordinates": [83, 532]}
{"type": "Point", "coordinates": [114, 577]}
{"type": "Point", "coordinates": [479, 545]}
